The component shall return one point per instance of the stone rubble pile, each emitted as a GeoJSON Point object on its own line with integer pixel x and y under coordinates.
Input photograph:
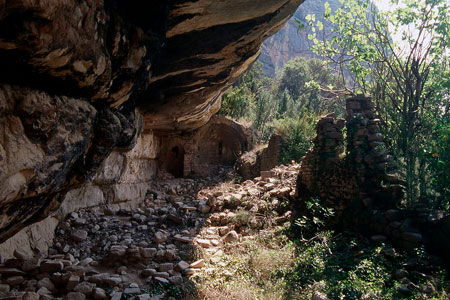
{"type": "Point", "coordinates": [119, 253]}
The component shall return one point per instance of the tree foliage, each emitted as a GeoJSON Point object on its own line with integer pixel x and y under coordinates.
{"type": "Point", "coordinates": [310, 83]}
{"type": "Point", "coordinates": [288, 104]}
{"type": "Point", "coordinates": [408, 79]}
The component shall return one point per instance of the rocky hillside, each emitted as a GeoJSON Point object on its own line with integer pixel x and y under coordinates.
{"type": "Point", "coordinates": [289, 42]}
{"type": "Point", "coordinates": [80, 79]}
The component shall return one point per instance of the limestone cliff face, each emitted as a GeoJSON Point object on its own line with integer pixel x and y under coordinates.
{"type": "Point", "coordinates": [289, 42]}
{"type": "Point", "coordinates": [81, 79]}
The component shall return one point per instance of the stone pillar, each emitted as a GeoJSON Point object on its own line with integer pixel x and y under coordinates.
{"type": "Point", "coordinates": [353, 180]}
{"type": "Point", "coordinates": [367, 153]}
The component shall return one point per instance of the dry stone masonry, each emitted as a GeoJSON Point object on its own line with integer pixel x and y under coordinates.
{"type": "Point", "coordinates": [261, 159]}
{"type": "Point", "coordinates": [202, 152]}
{"type": "Point", "coordinates": [361, 184]}
{"type": "Point", "coordinates": [123, 179]}
{"type": "Point", "coordinates": [357, 176]}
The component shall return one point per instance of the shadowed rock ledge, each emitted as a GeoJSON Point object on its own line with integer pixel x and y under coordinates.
{"type": "Point", "coordinates": [80, 80]}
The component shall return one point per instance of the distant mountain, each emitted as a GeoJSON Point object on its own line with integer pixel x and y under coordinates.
{"type": "Point", "coordinates": [289, 42]}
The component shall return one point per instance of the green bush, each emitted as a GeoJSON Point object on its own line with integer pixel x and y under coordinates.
{"type": "Point", "coordinates": [297, 136]}
{"type": "Point", "coordinates": [345, 266]}
{"type": "Point", "coordinates": [439, 159]}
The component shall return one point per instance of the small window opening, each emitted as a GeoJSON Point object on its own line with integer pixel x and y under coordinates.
{"type": "Point", "coordinates": [220, 148]}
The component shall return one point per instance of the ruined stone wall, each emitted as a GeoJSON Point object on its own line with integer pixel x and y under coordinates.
{"type": "Point", "coordinates": [354, 175]}
{"type": "Point", "coordinates": [202, 152]}
{"type": "Point", "coordinates": [270, 156]}
{"type": "Point", "coordinates": [123, 179]}
{"type": "Point", "coordinates": [361, 183]}
{"type": "Point", "coordinates": [251, 163]}
{"type": "Point", "coordinates": [323, 172]}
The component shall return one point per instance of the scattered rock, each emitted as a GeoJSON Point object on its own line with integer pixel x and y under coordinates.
{"type": "Point", "coordinates": [143, 297]}
{"type": "Point", "coordinates": [51, 266]}
{"type": "Point", "coordinates": [132, 290]}
{"type": "Point", "coordinates": [189, 271]}
{"type": "Point", "coordinates": [197, 264]}
{"type": "Point", "coordinates": [47, 283]}
{"type": "Point", "coordinates": [231, 236]}
{"type": "Point", "coordinates": [20, 255]}
{"type": "Point", "coordinates": [99, 294]}
{"type": "Point", "coordinates": [72, 282]}
{"type": "Point", "coordinates": [43, 291]}
{"type": "Point", "coordinates": [10, 271]}
{"type": "Point", "coordinates": [14, 280]}
{"type": "Point", "coordinates": [165, 267]}
{"type": "Point", "coordinates": [75, 296]}
{"type": "Point", "coordinates": [319, 296]}
{"type": "Point", "coordinates": [79, 235]}
{"type": "Point", "coordinates": [204, 243]}
{"type": "Point", "coordinates": [84, 287]}
{"type": "Point", "coordinates": [161, 237]}
{"type": "Point", "coordinates": [31, 296]}
{"type": "Point", "coordinates": [117, 296]}
{"type": "Point", "coordinates": [182, 239]}
{"type": "Point", "coordinates": [160, 280]}
{"type": "Point", "coordinates": [176, 280]}
{"type": "Point", "coordinates": [181, 266]}
{"type": "Point", "coordinates": [150, 242]}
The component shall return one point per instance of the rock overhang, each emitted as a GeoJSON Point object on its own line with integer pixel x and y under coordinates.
{"type": "Point", "coordinates": [169, 60]}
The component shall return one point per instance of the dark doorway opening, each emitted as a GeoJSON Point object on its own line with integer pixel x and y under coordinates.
{"type": "Point", "coordinates": [175, 161]}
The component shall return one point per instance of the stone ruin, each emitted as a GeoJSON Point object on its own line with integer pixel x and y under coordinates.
{"type": "Point", "coordinates": [356, 176]}
{"type": "Point", "coordinates": [360, 182]}
{"type": "Point", "coordinates": [123, 180]}
{"type": "Point", "coordinates": [203, 152]}
{"type": "Point", "coordinates": [252, 163]}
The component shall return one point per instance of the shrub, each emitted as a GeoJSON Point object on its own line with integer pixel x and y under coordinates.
{"type": "Point", "coordinates": [297, 136]}
{"type": "Point", "coordinates": [439, 160]}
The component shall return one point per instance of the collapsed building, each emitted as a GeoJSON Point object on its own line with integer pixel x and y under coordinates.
{"type": "Point", "coordinates": [87, 89]}
{"type": "Point", "coordinates": [360, 182]}
{"type": "Point", "coordinates": [218, 143]}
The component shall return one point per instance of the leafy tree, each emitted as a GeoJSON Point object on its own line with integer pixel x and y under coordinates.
{"type": "Point", "coordinates": [264, 113]}
{"type": "Point", "coordinates": [289, 104]}
{"type": "Point", "coordinates": [408, 81]}
{"type": "Point", "coordinates": [237, 103]}
{"type": "Point", "coordinates": [311, 84]}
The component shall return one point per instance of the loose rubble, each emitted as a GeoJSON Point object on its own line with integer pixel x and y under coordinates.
{"type": "Point", "coordinates": [123, 254]}
{"type": "Point", "coordinates": [120, 254]}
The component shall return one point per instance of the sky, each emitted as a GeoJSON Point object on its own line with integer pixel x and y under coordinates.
{"type": "Point", "coordinates": [382, 4]}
